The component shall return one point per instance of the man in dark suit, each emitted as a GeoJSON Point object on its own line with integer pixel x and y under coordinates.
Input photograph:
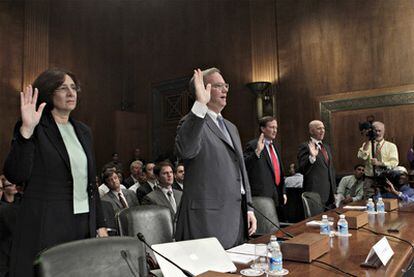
{"type": "Point", "coordinates": [179, 177]}
{"type": "Point", "coordinates": [216, 186]}
{"type": "Point", "coordinates": [264, 165]}
{"type": "Point", "coordinates": [132, 182]}
{"type": "Point", "coordinates": [150, 184]}
{"type": "Point", "coordinates": [164, 194]}
{"type": "Point", "coordinates": [119, 198]}
{"type": "Point", "coordinates": [316, 164]}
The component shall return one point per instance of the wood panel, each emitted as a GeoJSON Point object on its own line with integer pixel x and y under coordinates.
{"type": "Point", "coordinates": [327, 47]}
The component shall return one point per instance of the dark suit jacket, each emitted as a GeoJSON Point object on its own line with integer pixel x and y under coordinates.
{"type": "Point", "coordinates": [320, 176]}
{"type": "Point", "coordinates": [46, 211]}
{"type": "Point", "coordinates": [157, 197]}
{"type": "Point", "coordinates": [176, 186]}
{"type": "Point", "coordinates": [143, 190]}
{"type": "Point", "coordinates": [262, 175]}
{"type": "Point", "coordinates": [116, 203]}
{"type": "Point", "coordinates": [211, 202]}
{"type": "Point", "coordinates": [128, 182]}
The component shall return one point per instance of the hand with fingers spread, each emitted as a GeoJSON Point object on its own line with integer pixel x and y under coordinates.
{"type": "Point", "coordinates": [260, 144]}
{"type": "Point", "coordinates": [202, 93]}
{"type": "Point", "coordinates": [30, 117]}
{"type": "Point", "coordinates": [313, 149]}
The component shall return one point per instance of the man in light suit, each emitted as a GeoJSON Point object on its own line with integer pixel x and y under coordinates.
{"type": "Point", "coordinates": [216, 186]}
{"type": "Point", "coordinates": [164, 194]}
{"type": "Point", "coordinates": [316, 164]}
{"type": "Point", "coordinates": [119, 198]}
{"type": "Point", "coordinates": [264, 165]}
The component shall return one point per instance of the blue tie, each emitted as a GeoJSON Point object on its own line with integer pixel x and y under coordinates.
{"type": "Point", "coordinates": [223, 128]}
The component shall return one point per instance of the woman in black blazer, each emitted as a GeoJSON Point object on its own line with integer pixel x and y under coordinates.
{"type": "Point", "coordinates": [52, 154]}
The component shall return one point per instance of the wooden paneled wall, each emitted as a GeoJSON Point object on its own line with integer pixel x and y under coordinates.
{"type": "Point", "coordinates": [119, 49]}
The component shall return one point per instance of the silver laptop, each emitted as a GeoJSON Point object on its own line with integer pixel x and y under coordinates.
{"type": "Point", "coordinates": [196, 256]}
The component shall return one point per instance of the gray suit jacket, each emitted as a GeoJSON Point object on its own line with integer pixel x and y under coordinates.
{"type": "Point", "coordinates": [116, 204]}
{"type": "Point", "coordinates": [157, 197]}
{"type": "Point", "coordinates": [211, 202]}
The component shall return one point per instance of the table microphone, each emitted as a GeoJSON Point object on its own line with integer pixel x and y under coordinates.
{"type": "Point", "coordinates": [274, 224]}
{"type": "Point", "coordinates": [186, 272]}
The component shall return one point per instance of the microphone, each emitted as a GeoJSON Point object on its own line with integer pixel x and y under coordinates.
{"type": "Point", "coordinates": [125, 256]}
{"type": "Point", "coordinates": [274, 224]}
{"type": "Point", "coordinates": [186, 272]}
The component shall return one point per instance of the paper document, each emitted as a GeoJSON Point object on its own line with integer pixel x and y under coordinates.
{"type": "Point", "coordinates": [355, 207]}
{"type": "Point", "coordinates": [248, 249]}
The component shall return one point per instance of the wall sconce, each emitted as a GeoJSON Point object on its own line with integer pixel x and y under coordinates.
{"type": "Point", "coordinates": [266, 100]}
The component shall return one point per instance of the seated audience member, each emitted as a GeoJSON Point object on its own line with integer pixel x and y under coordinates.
{"type": "Point", "coordinates": [410, 157]}
{"type": "Point", "coordinates": [351, 187]}
{"type": "Point", "coordinates": [164, 194]}
{"type": "Point", "coordinates": [115, 162]}
{"type": "Point", "coordinates": [295, 180]}
{"type": "Point", "coordinates": [132, 182]}
{"type": "Point", "coordinates": [119, 198]}
{"type": "Point", "coordinates": [150, 184]}
{"type": "Point", "coordinates": [103, 188]}
{"type": "Point", "coordinates": [8, 216]}
{"type": "Point", "coordinates": [400, 189]}
{"type": "Point", "coordinates": [179, 177]}
{"type": "Point", "coordinates": [9, 191]}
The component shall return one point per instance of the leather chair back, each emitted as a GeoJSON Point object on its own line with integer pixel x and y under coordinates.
{"type": "Point", "coordinates": [312, 203]}
{"type": "Point", "coordinates": [153, 221]}
{"type": "Point", "coordinates": [100, 257]}
{"type": "Point", "coordinates": [265, 205]}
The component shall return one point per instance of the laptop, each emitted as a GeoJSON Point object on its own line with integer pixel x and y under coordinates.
{"type": "Point", "coordinates": [196, 256]}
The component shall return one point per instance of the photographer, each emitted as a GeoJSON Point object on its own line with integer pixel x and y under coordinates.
{"type": "Point", "coordinates": [401, 188]}
{"type": "Point", "coordinates": [385, 154]}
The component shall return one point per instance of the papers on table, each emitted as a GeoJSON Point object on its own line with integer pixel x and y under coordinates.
{"type": "Point", "coordinates": [246, 252]}
{"type": "Point", "coordinates": [361, 208]}
{"type": "Point", "coordinates": [317, 223]}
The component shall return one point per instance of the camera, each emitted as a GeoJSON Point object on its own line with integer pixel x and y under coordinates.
{"type": "Point", "coordinates": [392, 175]}
{"type": "Point", "coordinates": [367, 128]}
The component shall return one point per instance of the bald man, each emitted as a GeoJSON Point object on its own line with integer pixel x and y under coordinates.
{"type": "Point", "coordinates": [385, 156]}
{"type": "Point", "coordinates": [316, 164]}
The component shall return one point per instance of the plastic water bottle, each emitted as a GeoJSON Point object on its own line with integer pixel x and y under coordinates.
{"type": "Point", "coordinates": [380, 206]}
{"type": "Point", "coordinates": [370, 206]}
{"type": "Point", "coordinates": [325, 227]}
{"type": "Point", "coordinates": [275, 258]}
{"type": "Point", "coordinates": [342, 225]}
{"type": "Point", "coordinates": [269, 245]}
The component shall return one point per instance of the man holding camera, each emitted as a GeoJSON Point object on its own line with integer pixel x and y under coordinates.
{"type": "Point", "coordinates": [385, 155]}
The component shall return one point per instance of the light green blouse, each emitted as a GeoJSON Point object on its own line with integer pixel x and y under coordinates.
{"type": "Point", "coordinates": [78, 166]}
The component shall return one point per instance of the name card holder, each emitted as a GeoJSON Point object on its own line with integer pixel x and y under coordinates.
{"type": "Point", "coordinates": [379, 254]}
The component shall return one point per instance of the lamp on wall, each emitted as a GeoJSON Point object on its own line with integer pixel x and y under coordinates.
{"type": "Point", "coordinates": [265, 98]}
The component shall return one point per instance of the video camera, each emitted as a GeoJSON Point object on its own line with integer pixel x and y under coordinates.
{"type": "Point", "coordinates": [367, 128]}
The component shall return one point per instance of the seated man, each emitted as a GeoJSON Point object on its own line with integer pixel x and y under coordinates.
{"type": "Point", "coordinates": [103, 188]}
{"type": "Point", "coordinates": [132, 182]}
{"type": "Point", "coordinates": [119, 198]}
{"type": "Point", "coordinates": [401, 189]}
{"type": "Point", "coordinates": [179, 177]}
{"type": "Point", "coordinates": [150, 184]}
{"type": "Point", "coordinates": [164, 194]}
{"type": "Point", "coordinates": [351, 187]}
{"type": "Point", "coordinates": [295, 179]}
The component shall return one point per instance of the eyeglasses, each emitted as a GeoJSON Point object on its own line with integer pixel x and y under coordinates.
{"type": "Point", "coordinates": [66, 89]}
{"type": "Point", "coordinates": [221, 86]}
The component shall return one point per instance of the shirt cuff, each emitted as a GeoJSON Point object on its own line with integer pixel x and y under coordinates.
{"type": "Point", "coordinates": [199, 109]}
{"type": "Point", "coordinates": [250, 212]}
{"type": "Point", "coordinates": [312, 159]}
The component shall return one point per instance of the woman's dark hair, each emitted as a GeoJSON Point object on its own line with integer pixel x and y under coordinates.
{"type": "Point", "coordinates": [48, 81]}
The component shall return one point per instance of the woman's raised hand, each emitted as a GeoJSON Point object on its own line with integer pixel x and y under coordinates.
{"type": "Point", "coordinates": [30, 117]}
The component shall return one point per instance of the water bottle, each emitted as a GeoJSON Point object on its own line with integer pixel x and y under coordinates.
{"type": "Point", "coordinates": [325, 228]}
{"type": "Point", "coordinates": [380, 206]}
{"type": "Point", "coordinates": [370, 206]}
{"type": "Point", "coordinates": [275, 258]}
{"type": "Point", "coordinates": [342, 225]}
{"type": "Point", "coordinates": [269, 245]}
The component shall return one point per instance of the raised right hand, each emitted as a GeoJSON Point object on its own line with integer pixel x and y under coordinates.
{"type": "Point", "coordinates": [260, 144]}
{"type": "Point", "coordinates": [30, 117]}
{"type": "Point", "coordinates": [202, 93]}
{"type": "Point", "coordinates": [313, 149]}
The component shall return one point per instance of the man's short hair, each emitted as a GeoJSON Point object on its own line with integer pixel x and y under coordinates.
{"type": "Point", "coordinates": [206, 73]}
{"type": "Point", "coordinates": [108, 173]}
{"type": "Point", "coordinates": [264, 120]}
{"type": "Point", "coordinates": [160, 165]}
{"type": "Point", "coordinates": [176, 168]}
{"type": "Point", "coordinates": [358, 165]}
{"type": "Point", "coordinates": [134, 163]}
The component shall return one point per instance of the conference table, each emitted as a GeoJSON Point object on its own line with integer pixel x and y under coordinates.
{"type": "Point", "coordinates": [347, 253]}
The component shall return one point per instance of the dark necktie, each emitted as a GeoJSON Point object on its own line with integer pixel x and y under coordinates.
{"type": "Point", "coordinates": [223, 129]}
{"type": "Point", "coordinates": [275, 163]}
{"type": "Point", "coordinates": [123, 202]}
{"type": "Point", "coordinates": [172, 200]}
{"type": "Point", "coordinates": [324, 153]}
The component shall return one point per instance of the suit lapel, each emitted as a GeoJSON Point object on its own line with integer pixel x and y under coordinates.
{"type": "Point", "coordinates": [52, 132]}
{"type": "Point", "coordinates": [161, 196]}
{"type": "Point", "coordinates": [115, 199]}
{"type": "Point", "coordinates": [217, 131]}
